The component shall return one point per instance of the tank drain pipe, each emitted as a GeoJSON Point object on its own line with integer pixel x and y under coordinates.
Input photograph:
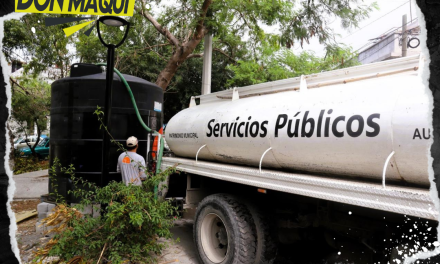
{"type": "Point", "coordinates": [262, 156]}
{"type": "Point", "coordinates": [160, 141]}
{"type": "Point", "coordinates": [385, 168]}
{"type": "Point", "coordinates": [197, 155]}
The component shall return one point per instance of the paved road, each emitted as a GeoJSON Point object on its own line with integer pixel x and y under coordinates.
{"type": "Point", "coordinates": [31, 185]}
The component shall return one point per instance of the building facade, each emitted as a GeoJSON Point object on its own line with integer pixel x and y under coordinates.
{"type": "Point", "coordinates": [389, 45]}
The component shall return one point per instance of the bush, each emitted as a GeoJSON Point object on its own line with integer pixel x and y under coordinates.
{"type": "Point", "coordinates": [23, 165]}
{"type": "Point", "coordinates": [132, 219]}
{"type": "Point", "coordinates": [127, 230]}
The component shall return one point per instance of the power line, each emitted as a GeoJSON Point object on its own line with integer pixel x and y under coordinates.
{"type": "Point", "coordinates": [376, 19]}
{"type": "Point", "coordinates": [391, 31]}
{"type": "Point", "coordinates": [395, 28]}
{"type": "Point", "coordinates": [363, 46]}
{"type": "Point", "coordinates": [377, 49]}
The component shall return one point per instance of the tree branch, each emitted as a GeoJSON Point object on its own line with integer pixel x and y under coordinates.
{"type": "Point", "coordinates": [38, 138]}
{"type": "Point", "coordinates": [200, 28]}
{"type": "Point", "coordinates": [225, 54]}
{"type": "Point", "coordinates": [182, 52]}
{"type": "Point", "coordinates": [195, 56]}
{"type": "Point", "coordinates": [244, 19]}
{"type": "Point", "coordinates": [18, 91]}
{"type": "Point", "coordinates": [16, 83]}
{"type": "Point", "coordinates": [164, 31]}
{"type": "Point", "coordinates": [151, 48]}
{"type": "Point", "coordinates": [158, 45]}
{"type": "Point", "coordinates": [102, 252]}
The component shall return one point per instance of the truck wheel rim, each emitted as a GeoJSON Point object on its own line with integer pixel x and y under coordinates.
{"type": "Point", "coordinates": [214, 237]}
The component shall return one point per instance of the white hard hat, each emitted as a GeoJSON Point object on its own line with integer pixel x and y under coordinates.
{"type": "Point", "coordinates": [132, 141]}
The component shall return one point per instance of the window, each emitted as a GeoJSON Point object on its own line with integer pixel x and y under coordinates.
{"type": "Point", "coordinates": [43, 142]}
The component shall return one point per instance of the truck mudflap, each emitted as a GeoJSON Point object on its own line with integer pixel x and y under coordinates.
{"type": "Point", "coordinates": [409, 201]}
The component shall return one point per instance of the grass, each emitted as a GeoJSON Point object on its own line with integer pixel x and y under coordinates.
{"type": "Point", "coordinates": [23, 165]}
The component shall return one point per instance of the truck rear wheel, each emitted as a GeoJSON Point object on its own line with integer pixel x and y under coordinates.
{"type": "Point", "coordinates": [266, 247]}
{"type": "Point", "coordinates": [224, 231]}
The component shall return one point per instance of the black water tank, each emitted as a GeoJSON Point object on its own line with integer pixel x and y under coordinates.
{"type": "Point", "coordinates": [75, 136]}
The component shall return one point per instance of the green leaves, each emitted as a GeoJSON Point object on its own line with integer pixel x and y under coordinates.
{"type": "Point", "coordinates": [23, 165]}
{"type": "Point", "coordinates": [274, 64]}
{"type": "Point", "coordinates": [128, 229]}
{"type": "Point", "coordinates": [136, 218]}
{"type": "Point", "coordinates": [46, 48]}
{"type": "Point", "coordinates": [30, 105]}
{"type": "Point", "coordinates": [247, 37]}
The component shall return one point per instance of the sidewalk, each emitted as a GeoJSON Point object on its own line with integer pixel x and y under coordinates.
{"type": "Point", "coordinates": [31, 185]}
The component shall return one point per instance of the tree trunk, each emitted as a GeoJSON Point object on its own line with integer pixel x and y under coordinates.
{"type": "Point", "coordinates": [178, 58]}
{"type": "Point", "coordinates": [37, 140]}
{"type": "Point", "coordinates": [12, 149]}
{"type": "Point", "coordinates": [182, 50]}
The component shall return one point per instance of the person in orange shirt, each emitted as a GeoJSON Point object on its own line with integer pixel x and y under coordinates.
{"type": "Point", "coordinates": [131, 165]}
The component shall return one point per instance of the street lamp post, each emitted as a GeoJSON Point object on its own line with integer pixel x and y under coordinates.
{"type": "Point", "coordinates": [114, 22]}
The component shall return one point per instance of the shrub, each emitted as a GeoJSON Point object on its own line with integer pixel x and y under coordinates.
{"type": "Point", "coordinates": [132, 219]}
{"type": "Point", "coordinates": [23, 165]}
{"type": "Point", "coordinates": [128, 229]}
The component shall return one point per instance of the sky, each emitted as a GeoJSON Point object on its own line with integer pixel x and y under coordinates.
{"type": "Point", "coordinates": [388, 16]}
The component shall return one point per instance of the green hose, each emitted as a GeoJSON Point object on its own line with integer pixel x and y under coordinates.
{"type": "Point", "coordinates": [159, 156]}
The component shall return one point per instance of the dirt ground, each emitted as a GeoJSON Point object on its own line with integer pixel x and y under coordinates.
{"type": "Point", "coordinates": [26, 235]}
{"type": "Point", "coordinates": [20, 206]}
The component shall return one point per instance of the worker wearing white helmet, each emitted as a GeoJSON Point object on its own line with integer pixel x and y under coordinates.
{"type": "Point", "coordinates": [130, 164]}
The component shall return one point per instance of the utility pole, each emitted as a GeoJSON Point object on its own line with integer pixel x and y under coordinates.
{"type": "Point", "coordinates": [207, 65]}
{"type": "Point", "coordinates": [404, 36]}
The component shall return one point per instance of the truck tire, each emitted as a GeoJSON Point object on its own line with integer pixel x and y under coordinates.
{"type": "Point", "coordinates": [267, 249]}
{"type": "Point", "coordinates": [224, 231]}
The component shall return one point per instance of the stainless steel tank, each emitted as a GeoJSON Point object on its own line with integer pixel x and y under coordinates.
{"type": "Point", "coordinates": [342, 130]}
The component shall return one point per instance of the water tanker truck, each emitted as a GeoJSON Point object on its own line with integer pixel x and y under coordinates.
{"type": "Point", "coordinates": [344, 152]}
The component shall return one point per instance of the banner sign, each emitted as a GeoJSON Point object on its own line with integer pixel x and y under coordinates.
{"type": "Point", "coordinates": [82, 7]}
